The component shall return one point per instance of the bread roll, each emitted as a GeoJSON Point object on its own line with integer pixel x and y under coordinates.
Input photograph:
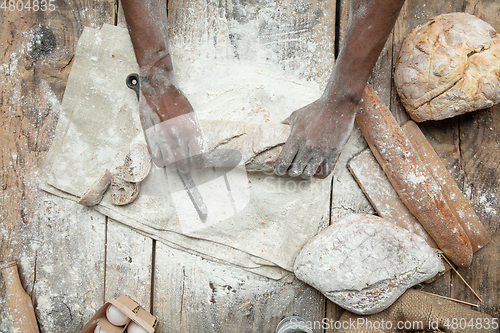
{"type": "Point", "coordinates": [449, 66]}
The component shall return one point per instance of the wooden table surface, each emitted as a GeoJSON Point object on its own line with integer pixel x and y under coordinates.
{"type": "Point", "coordinates": [72, 259]}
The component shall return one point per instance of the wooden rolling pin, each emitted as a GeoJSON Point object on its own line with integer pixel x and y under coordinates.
{"type": "Point", "coordinates": [410, 178]}
{"type": "Point", "coordinates": [19, 306]}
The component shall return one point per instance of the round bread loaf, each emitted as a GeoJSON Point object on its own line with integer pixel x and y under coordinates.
{"type": "Point", "coordinates": [449, 66]}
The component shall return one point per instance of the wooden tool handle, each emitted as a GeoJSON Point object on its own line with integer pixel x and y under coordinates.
{"type": "Point", "coordinates": [410, 178]}
{"type": "Point", "coordinates": [19, 306]}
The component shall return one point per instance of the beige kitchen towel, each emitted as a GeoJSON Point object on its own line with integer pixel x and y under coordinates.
{"type": "Point", "coordinates": [257, 221]}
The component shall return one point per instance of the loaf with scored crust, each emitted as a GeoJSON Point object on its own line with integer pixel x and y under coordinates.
{"type": "Point", "coordinates": [449, 66]}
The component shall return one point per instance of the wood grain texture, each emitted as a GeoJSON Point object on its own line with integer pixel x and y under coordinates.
{"type": "Point", "coordinates": [479, 136]}
{"type": "Point", "coordinates": [36, 53]}
{"type": "Point", "coordinates": [128, 264]}
{"type": "Point", "coordinates": [299, 35]}
{"type": "Point", "coordinates": [196, 295]}
{"type": "Point", "coordinates": [445, 136]}
{"type": "Point", "coordinates": [69, 262]}
{"type": "Point", "coordinates": [347, 197]}
{"type": "Point", "coordinates": [48, 235]}
{"type": "Point", "coordinates": [455, 142]}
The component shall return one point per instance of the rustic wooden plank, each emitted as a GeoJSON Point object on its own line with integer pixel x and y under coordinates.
{"type": "Point", "coordinates": [488, 10]}
{"type": "Point", "coordinates": [347, 197]}
{"type": "Point", "coordinates": [287, 33]}
{"type": "Point", "coordinates": [37, 50]}
{"type": "Point", "coordinates": [298, 35]}
{"type": "Point", "coordinates": [196, 295]}
{"type": "Point", "coordinates": [129, 258]}
{"type": "Point", "coordinates": [479, 135]}
{"type": "Point", "coordinates": [69, 264]}
{"type": "Point", "coordinates": [344, 6]}
{"type": "Point", "coordinates": [129, 255]}
{"type": "Point", "coordinates": [446, 138]}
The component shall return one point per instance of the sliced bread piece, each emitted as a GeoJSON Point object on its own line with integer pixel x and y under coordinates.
{"type": "Point", "coordinates": [122, 191]}
{"type": "Point", "coordinates": [96, 192]}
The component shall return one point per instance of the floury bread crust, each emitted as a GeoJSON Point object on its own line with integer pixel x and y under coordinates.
{"type": "Point", "coordinates": [96, 192]}
{"type": "Point", "coordinates": [449, 66]}
{"type": "Point", "coordinates": [363, 263]}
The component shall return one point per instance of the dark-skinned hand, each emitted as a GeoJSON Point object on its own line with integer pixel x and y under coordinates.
{"type": "Point", "coordinates": [171, 127]}
{"type": "Point", "coordinates": [319, 132]}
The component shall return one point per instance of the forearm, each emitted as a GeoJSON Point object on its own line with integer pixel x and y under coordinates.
{"type": "Point", "coordinates": [370, 23]}
{"type": "Point", "coordinates": [147, 23]}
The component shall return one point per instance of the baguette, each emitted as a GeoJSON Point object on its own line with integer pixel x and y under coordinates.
{"type": "Point", "coordinates": [382, 196]}
{"type": "Point", "coordinates": [410, 178]}
{"type": "Point", "coordinates": [459, 205]}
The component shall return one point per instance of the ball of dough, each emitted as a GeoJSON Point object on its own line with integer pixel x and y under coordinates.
{"type": "Point", "coordinates": [449, 66]}
{"type": "Point", "coordinates": [364, 263]}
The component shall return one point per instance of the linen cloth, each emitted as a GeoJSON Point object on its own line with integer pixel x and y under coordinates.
{"type": "Point", "coordinates": [99, 121]}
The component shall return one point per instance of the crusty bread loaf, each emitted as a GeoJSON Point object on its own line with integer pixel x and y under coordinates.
{"type": "Point", "coordinates": [259, 144]}
{"type": "Point", "coordinates": [457, 202]}
{"type": "Point", "coordinates": [410, 178]}
{"type": "Point", "coordinates": [449, 66]}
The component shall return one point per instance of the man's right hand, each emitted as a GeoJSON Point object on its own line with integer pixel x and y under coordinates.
{"type": "Point", "coordinates": [171, 127]}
